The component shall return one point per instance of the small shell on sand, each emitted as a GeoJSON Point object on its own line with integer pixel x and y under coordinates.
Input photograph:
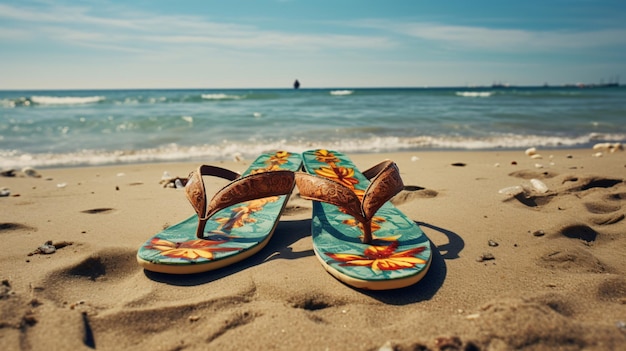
{"type": "Point", "coordinates": [540, 186]}
{"type": "Point", "coordinates": [608, 147]}
{"type": "Point", "coordinates": [31, 172]}
{"type": "Point", "coordinates": [5, 192]}
{"type": "Point", "coordinates": [511, 190]}
{"type": "Point", "coordinates": [530, 151]}
{"type": "Point", "coordinates": [47, 248]}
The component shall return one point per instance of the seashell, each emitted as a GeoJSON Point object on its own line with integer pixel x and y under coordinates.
{"type": "Point", "coordinates": [61, 185]}
{"type": "Point", "coordinates": [511, 190]}
{"type": "Point", "coordinates": [31, 172]}
{"type": "Point", "coordinates": [597, 154]}
{"type": "Point", "coordinates": [602, 146]}
{"type": "Point", "coordinates": [5, 192]}
{"type": "Point", "coordinates": [536, 156]}
{"type": "Point", "coordinates": [414, 158]}
{"type": "Point", "coordinates": [540, 186]}
{"type": "Point", "coordinates": [47, 249]}
{"type": "Point", "coordinates": [530, 151]}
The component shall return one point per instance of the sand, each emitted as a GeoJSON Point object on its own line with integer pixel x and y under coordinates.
{"type": "Point", "coordinates": [533, 271]}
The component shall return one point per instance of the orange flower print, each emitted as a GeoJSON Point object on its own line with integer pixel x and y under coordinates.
{"type": "Point", "coordinates": [341, 175]}
{"type": "Point", "coordinates": [382, 258]}
{"type": "Point", "coordinates": [374, 224]}
{"type": "Point", "coordinates": [326, 156]}
{"type": "Point", "coordinates": [241, 215]}
{"type": "Point", "coordinates": [274, 163]}
{"type": "Point", "coordinates": [280, 157]}
{"type": "Point", "coordinates": [189, 250]}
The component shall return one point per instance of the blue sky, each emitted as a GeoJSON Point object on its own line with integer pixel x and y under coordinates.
{"type": "Point", "coordinates": [268, 43]}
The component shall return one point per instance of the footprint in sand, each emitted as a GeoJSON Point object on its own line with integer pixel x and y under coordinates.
{"type": "Point", "coordinates": [412, 193]}
{"type": "Point", "coordinates": [98, 210]}
{"type": "Point", "coordinates": [572, 259]}
{"type": "Point", "coordinates": [114, 270]}
{"type": "Point", "coordinates": [9, 226]}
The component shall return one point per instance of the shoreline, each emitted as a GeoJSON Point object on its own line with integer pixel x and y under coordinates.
{"type": "Point", "coordinates": [556, 278]}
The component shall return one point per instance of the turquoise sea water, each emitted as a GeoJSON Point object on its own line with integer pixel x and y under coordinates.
{"type": "Point", "coordinates": [78, 128]}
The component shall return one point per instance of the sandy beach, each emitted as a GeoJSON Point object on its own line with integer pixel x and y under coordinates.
{"type": "Point", "coordinates": [518, 269]}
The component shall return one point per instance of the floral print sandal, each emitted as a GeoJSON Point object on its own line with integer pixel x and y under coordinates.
{"type": "Point", "coordinates": [358, 236]}
{"type": "Point", "coordinates": [235, 224]}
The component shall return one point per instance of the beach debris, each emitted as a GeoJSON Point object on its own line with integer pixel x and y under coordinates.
{"type": "Point", "coordinates": [538, 165]}
{"type": "Point", "coordinates": [61, 185]}
{"type": "Point", "coordinates": [472, 316]}
{"type": "Point", "coordinates": [608, 147]}
{"type": "Point", "coordinates": [49, 247]}
{"type": "Point", "coordinates": [497, 164]}
{"type": "Point", "coordinates": [536, 156]}
{"type": "Point", "coordinates": [597, 154]}
{"type": "Point", "coordinates": [514, 163]}
{"type": "Point", "coordinates": [486, 256]}
{"type": "Point", "coordinates": [459, 164]}
{"type": "Point", "coordinates": [121, 174]}
{"type": "Point", "coordinates": [174, 182]}
{"type": "Point", "coordinates": [539, 186]}
{"type": "Point", "coordinates": [414, 158]}
{"type": "Point", "coordinates": [237, 157]}
{"type": "Point", "coordinates": [5, 289]}
{"type": "Point", "coordinates": [531, 151]}
{"type": "Point", "coordinates": [5, 192]}
{"type": "Point", "coordinates": [194, 318]}
{"type": "Point", "coordinates": [31, 172]}
{"type": "Point", "coordinates": [511, 190]}
{"type": "Point", "coordinates": [178, 184]}
{"type": "Point", "coordinates": [8, 173]}
{"type": "Point", "coordinates": [387, 346]}
{"type": "Point", "coordinates": [492, 243]}
{"type": "Point", "coordinates": [539, 233]}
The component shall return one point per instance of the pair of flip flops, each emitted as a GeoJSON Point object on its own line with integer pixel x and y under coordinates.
{"type": "Point", "coordinates": [358, 235]}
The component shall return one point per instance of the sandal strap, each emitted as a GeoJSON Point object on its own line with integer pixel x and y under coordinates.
{"type": "Point", "coordinates": [322, 189]}
{"type": "Point", "coordinates": [385, 184]}
{"type": "Point", "coordinates": [250, 187]}
{"type": "Point", "coordinates": [195, 190]}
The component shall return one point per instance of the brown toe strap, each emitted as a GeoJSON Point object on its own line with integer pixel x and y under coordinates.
{"type": "Point", "coordinates": [385, 184]}
{"type": "Point", "coordinates": [240, 190]}
{"type": "Point", "coordinates": [194, 189]}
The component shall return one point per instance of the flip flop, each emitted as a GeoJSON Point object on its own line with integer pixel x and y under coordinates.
{"type": "Point", "coordinates": [235, 224]}
{"type": "Point", "coordinates": [358, 236]}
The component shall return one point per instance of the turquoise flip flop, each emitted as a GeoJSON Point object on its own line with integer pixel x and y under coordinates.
{"type": "Point", "coordinates": [358, 236]}
{"type": "Point", "coordinates": [235, 224]}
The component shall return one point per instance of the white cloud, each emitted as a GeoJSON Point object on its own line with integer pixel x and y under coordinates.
{"type": "Point", "coordinates": [75, 26]}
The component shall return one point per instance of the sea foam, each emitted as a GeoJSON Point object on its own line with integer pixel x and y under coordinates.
{"type": "Point", "coordinates": [66, 100]}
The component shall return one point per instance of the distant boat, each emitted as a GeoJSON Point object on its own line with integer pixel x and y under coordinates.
{"type": "Point", "coordinates": [296, 84]}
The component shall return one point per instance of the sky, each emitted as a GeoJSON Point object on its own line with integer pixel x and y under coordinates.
{"type": "Point", "coordinates": [120, 44]}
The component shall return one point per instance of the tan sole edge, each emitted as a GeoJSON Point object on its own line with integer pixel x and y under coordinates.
{"type": "Point", "coordinates": [375, 285]}
{"type": "Point", "coordinates": [212, 265]}
{"type": "Point", "coordinates": [203, 267]}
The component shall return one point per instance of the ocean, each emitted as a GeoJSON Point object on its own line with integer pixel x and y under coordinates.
{"type": "Point", "coordinates": [100, 127]}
